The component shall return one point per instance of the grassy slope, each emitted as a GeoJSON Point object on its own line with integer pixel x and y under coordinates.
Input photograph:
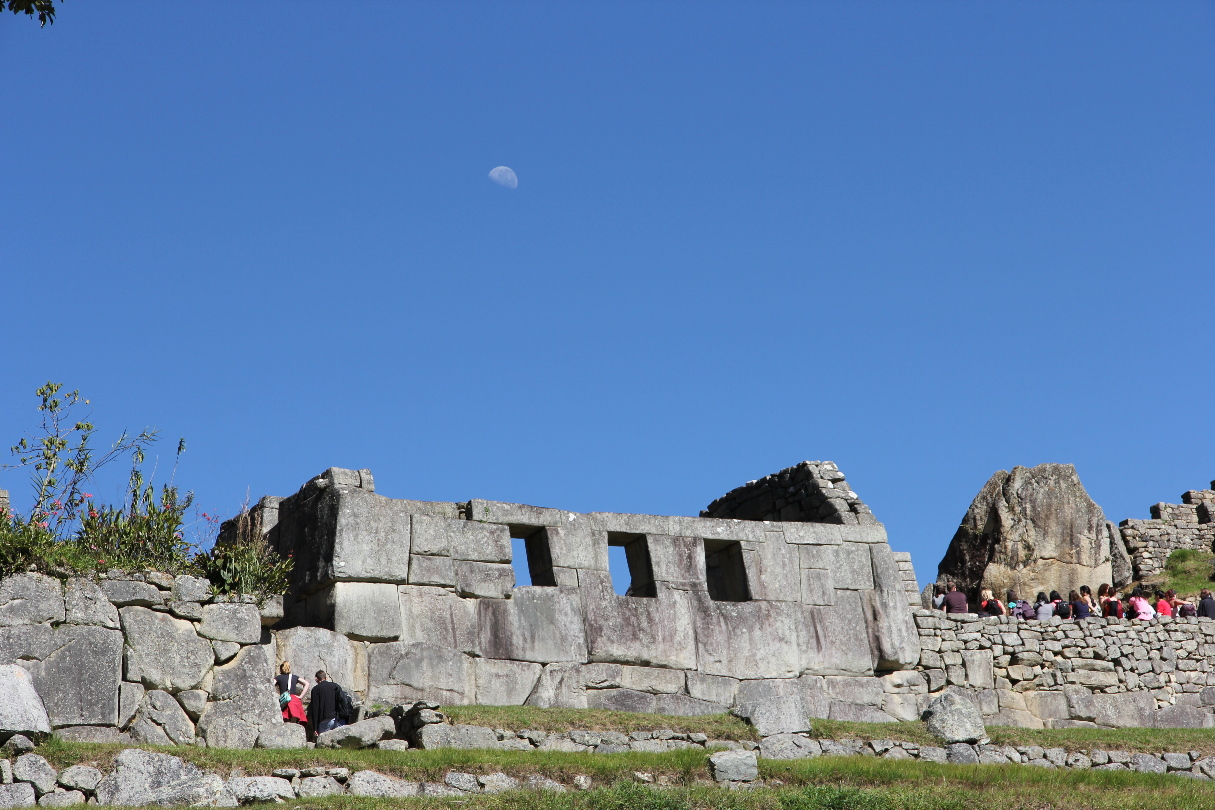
{"type": "Point", "coordinates": [838, 783]}
{"type": "Point", "coordinates": [1188, 571]}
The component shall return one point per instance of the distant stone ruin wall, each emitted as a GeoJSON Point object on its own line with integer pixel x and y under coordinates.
{"type": "Point", "coordinates": [1062, 674]}
{"type": "Point", "coordinates": [910, 583]}
{"type": "Point", "coordinates": [1188, 525]}
{"type": "Point", "coordinates": [426, 594]}
{"type": "Point", "coordinates": [4, 503]}
{"type": "Point", "coordinates": [810, 492]}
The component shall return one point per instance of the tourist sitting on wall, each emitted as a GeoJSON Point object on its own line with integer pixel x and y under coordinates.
{"type": "Point", "coordinates": [1163, 606]}
{"type": "Point", "coordinates": [1111, 605]}
{"type": "Point", "coordinates": [1043, 607]}
{"type": "Point", "coordinates": [1103, 594]}
{"type": "Point", "coordinates": [1080, 608]}
{"type": "Point", "coordinates": [1086, 596]}
{"type": "Point", "coordinates": [938, 597]}
{"type": "Point", "coordinates": [1021, 608]}
{"type": "Point", "coordinates": [955, 601]}
{"type": "Point", "coordinates": [1181, 607]}
{"type": "Point", "coordinates": [1141, 608]}
{"type": "Point", "coordinates": [1206, 605]}
{"type": "Point", "coordinates": [990, 605]}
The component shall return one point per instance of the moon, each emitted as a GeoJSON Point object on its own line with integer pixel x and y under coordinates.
{"type": "Point", "coordinates": [504, 176]}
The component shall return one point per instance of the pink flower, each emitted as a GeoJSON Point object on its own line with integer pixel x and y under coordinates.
{"type": "Point", "coordinates": [87, 494]}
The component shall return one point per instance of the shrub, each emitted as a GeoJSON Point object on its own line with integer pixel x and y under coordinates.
{"type": "Point", "coordinates": [242, 562]}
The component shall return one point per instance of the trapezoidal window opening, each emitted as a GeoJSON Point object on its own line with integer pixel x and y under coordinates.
{"type": "Point", "coordinates": [725, 571]}
{"type": "Point", "coordinates": [637, 559]}
{"type": "Point", "coordinates": [531, 557]}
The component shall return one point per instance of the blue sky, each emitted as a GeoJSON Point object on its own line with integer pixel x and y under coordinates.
{"type": "Point", "coordinates": [927, 241]}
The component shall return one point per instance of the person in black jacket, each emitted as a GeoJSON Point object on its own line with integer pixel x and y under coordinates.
{"type": "Point", "coordinates": [1206, 605]}
{"type": "Point", "coordinates": [323, 710]}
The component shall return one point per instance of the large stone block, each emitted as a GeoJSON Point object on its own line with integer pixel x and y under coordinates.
{"type": "Point", "coordinates": [30, 599]}
{"type": "Point", "coordinates": [747, 639]}
{"type": "Point", "coordinates": [400, 672]}
{"type": "Point", "coordinates": [504, 683]}
{"type": "Point", "coordinates": [162, 721]}
{"type": "Point", "coordinates": [575, 544]}
{"type": "Point", "coordinates": [87, 604]}
{"type": "Point", "coordinates": [835, 638]}
{"type": "Point", "coordinates": [644, 631]}
{"type": "Point", "coordinates": [144, 778]}
{"type": "Point", "coordinates": [677, 561]}
{"type": "Point", "coordinates": [484, 580]}
{"type": "Point", "coordinates": [852, 567]}
{"type": "Point", "coordinates": [979, 671]}
{"type": "Point", "coordinates": [78, 677]}
{"type": "Point", "coordinates": [1125, 710]}
{"type": "Point", "coordinates": [561, 687]}
{"type": "Point", "coordinates": [428, 570]}
{"type": "Point", "coordinates": [863, 691]}
{"type": "Point", "coordinates": [621, 700]}
{"type": "Point", "coordinates": [309, 649]}
{"type": "Point", "coordinates": [233, 622]}
{"type": "Point", "coordinates": [242, 702]}
{"type": "Point", "coordinates": [817, 586]}
{"type": "Point", "coordinates": [363, 734]}
{"type": "Point", "coordinates": [128, 592]}
{"type": "Point", "coordinates": [341, 532]}
{"type": "Point", "coordinates": [461, 539]}
{"type": "Point", "coordinates": [893, 637]}
{"type": "Point", "coordinates": [169, 654]}
{"type": "Point", "coordinates": [366, 611]}
{"type": "Point", "coordinates": [538, 624]}
{"type": "Point", "coordinates": [775, 715]}
{"type": "Point", "coordinates": [437, 616]}
{"type": "Point", "coordinates": [1046, 705]}
{"type": "Point", "coordinates": [955, 719]}
{"type": "Point", "coordinates": [774, 570]}
{"type": "Point", "coordinates": [21, 709]}
{"type": "Point", "coordinates": [685, 706]}
{"type": "Point", "coordinates": [712, 688]}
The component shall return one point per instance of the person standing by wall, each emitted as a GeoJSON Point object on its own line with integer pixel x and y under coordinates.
{"type": "Point", "coordinates": [323, 709]}
{"type": "Point", "coordinates": [291, 689]}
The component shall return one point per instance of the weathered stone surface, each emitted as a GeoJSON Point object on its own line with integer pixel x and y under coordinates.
{"type": "Point", "coordinates": [1146, 763]}
{"type": "Point", "coordinates": [80, 777]}
{"type": "Point", "coordinates": [399, 672]}
{"type": "Point", "coordinates": [961, 754]}
{"type": "Point", "coordinates": [483, 580]}
{"type": "Point", "coordinates": [193, 701]}
{"type": "Point", "coordinates": [363, 734]}
{"type": "Point", "coordinates": [538, 624]}
{"type": "Point", "coordinates": [309, 649]}
{"type": "Point", "coordinates": [729, 645]}
{"type": "Point", "coordinates": [162, 721]}
{"type": "Point", "coordinates": [282, 735]}
{"type": "Point", "coordinates": [560, 686]}
{"type": "Point", "coordinates": [1125, 710]}
{"type": "Point", "coordinates": [86, 603]}
{"type": "Point", "coordinates": [504, 683]}
{"type": "Point", "coordinates": [311, 787]}
{"type": "Point", "coordinates": [258, 789]}
{"type": "Point", "coordinates": [955, 719]}
{"type": "Point", "coordinates": [237, 623]}
{"type": "Point", "coordinates": [442, 735]}
{"type": "Point", "coordinates": [130, 697]}
{"type": "Point", "coordinates": [63, 798]}
{"type": "Point", "coordinates": [37, 771]}
{"type": "Point", "coordinates": [242, 702]}
{"type": "Point", "coordinates": [893, 639]}
{"type": "Point", "coordinates": [734, 766]}
{"type": "Point", "coordinates": [498, 783]}
{"type": "Point", "coordinates": [461, 539]}
{"type": "Point", "coordinates": [30, 599]}
{"type": "Point", "coordinates": [74, 668]}
{"type": "Point", "coordinates": [648, 631]}
{"type": "Point", "coordinates": [144, 778]}
{"type": "Point", "coordinates": [775, 715]}
{"type": "Point", "coordinates": [437, 616]}
{"type": "Point", "coordinates": [712, 688]}
{"type": "Point", "coordinates": [21, 709]}
{"type": "Point", "coordinates": [169, 654]}
{"type": "Point", "coordinates": [788, 746]}
{"type": "Point", "coordinates": [1183, 717]}
{"type": "Point", "coordinates": [20, 794]}
{"type": "Point", "coordinates": [93, 734]}
{"type": "Point", "coordinates": [191, 589]}
{"type": "Point", "coordinates": [377, 785]}
{"type": "Point", "coordinates": [365, 611]}
{"type": "Point", "coordinates": [621, 700]}
{"type": "Point", "coordinates": [1030, 530]}
{"type": "Point", "coordinates": [835, 638]}
{"type": "Point", "coordinates": [128, 592]}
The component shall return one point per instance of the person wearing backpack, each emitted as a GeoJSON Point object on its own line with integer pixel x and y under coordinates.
{"type": "Point", "coordinates": [1111, 606]}
{"type": "Point", "coordinates": [290, 688]}
{"type": "Point", "coordinates": [325, 711]}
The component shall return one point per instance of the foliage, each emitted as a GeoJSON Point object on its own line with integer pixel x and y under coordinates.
{"type": "Point", "coordinates": [22, 543]}
{"type": "Point", "coordinates": [45, 9]}
{"type": "Point", "coordinates": [1188, 571]}
{"type": "Point", "coordinates": [144, 536]}
{"type": "Point", "coordinates": [242, 562]}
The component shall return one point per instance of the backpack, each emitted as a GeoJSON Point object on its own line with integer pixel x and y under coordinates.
{"type": "Point", "coordinates": [342, 704]}
{"type": "Point", "coordinates": [1063, 610]}
{"type": "Point", "coordinates": [1113, 608]}
{"type": "Point", "coordinates": [1025, 610]}
{"type": "Point", "coordinates": [1187, 610]}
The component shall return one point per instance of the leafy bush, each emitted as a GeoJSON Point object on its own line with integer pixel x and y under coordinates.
{"type": "Point", "coordinates": [242, 562]}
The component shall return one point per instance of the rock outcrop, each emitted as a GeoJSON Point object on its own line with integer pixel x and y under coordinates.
{"type": "Point", "coordinates": [1032, 529]}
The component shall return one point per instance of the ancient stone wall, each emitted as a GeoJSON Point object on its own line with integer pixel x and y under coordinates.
{"type": "Point", "coordinates": [810, 492]}
{"type": "Point", "coordinates": [1188, 525]}
{"type": "Point", "coordinates": [426, 593]}
{"type": "Point", "coordinates": [1058, 674]}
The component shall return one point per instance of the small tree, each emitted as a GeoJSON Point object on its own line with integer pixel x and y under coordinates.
{"type": "Point", "coordinates": [45, 9]}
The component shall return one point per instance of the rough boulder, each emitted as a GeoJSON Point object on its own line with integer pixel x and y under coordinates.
{"type": "Point", "coordinates": [1032, 529]}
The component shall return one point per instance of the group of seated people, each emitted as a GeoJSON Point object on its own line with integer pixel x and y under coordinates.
{"type": "Point", "coordinates": [1080, 604]}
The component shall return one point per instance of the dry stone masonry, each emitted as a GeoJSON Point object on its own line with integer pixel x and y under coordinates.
{"type": "Point", "coordinates": [812, 492]}
{"type": "Point", "coordinates": [1188, 525]}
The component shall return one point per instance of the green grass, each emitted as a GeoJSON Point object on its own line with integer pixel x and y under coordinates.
{"type": "Point", "coordinates": [1188, 571]}
{"type": "Point", "coordinates": [518, 718]}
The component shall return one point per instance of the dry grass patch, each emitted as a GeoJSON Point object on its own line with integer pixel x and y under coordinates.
{"type": "Point", "coordinates": [518, 718]}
